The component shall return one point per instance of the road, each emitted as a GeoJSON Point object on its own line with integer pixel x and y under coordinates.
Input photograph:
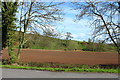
{"type": "Point", "coordinates": [20, 73]}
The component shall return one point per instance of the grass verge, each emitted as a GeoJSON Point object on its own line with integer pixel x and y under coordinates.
{"type": "Point", "coordinates": [62, 69]}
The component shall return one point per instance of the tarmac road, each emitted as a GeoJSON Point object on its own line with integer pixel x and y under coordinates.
{"type": "Point", "coordinates": [20, 73]}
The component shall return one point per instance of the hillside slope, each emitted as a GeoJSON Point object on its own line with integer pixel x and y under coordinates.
{"type": "Point", "coordinates": [37, 41]}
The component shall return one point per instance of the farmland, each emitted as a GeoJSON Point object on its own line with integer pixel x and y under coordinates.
{"type": "Point", "coordinates": [66, 57]}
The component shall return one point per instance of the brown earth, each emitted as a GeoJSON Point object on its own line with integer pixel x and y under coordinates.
{"type": "Point", "coordinates": [66, 57]}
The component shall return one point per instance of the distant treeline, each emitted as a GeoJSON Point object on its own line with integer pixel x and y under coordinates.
{"type": "Point", "coordinates": [37, 41]}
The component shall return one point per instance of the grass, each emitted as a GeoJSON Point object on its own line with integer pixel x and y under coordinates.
{"type": "Point", "coordinates": [62, 69]}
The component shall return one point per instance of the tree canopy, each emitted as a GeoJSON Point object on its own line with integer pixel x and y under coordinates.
{"type": "Point", "coordinates": [104, 17]}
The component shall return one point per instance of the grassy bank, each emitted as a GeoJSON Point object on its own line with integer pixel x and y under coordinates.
{"type": "Point", "coordinates": [109, 68]}
{"type": "Point", "coordinates": [61, 69]}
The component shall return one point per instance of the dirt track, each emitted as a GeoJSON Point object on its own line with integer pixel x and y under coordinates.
{"type": "Point", "coordinates": [67, 57]}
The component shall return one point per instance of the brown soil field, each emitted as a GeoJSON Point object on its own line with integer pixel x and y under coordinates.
{"type": "Point", "coordinates": [66, 57]}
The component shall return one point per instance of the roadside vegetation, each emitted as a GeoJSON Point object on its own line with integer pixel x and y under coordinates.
{"type": "Point", "coordinates": [61, 69]}
{"type": "Point", "coordinates": [65, 67]}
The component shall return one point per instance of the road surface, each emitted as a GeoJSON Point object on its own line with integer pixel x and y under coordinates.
{"type": "Point", "coordinates": [20, 73]}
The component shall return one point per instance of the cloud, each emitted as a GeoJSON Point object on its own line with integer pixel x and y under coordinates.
{"type": "Point", "coordinates": [80, 30]}
{"type": "Point", "coordinates": [69, 10]}
{"type": "Point", "coordinates": [80, 36]}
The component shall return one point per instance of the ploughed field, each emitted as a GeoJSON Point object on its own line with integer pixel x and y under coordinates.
{"type": "Point", "coordinates": [66, 57]}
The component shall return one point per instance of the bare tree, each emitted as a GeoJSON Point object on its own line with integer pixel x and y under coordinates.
{"type": "Point", "coordinates": [36, 15]}
{"type": "Point", "coordinates": [50, 31]}
{"type": "Point", "coordinates": [104, 18]}
{"type": "Point", "coordinates": [68, 36]}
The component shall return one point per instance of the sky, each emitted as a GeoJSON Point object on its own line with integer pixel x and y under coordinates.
{"type": "Point", "coordinates": [80, 31]}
